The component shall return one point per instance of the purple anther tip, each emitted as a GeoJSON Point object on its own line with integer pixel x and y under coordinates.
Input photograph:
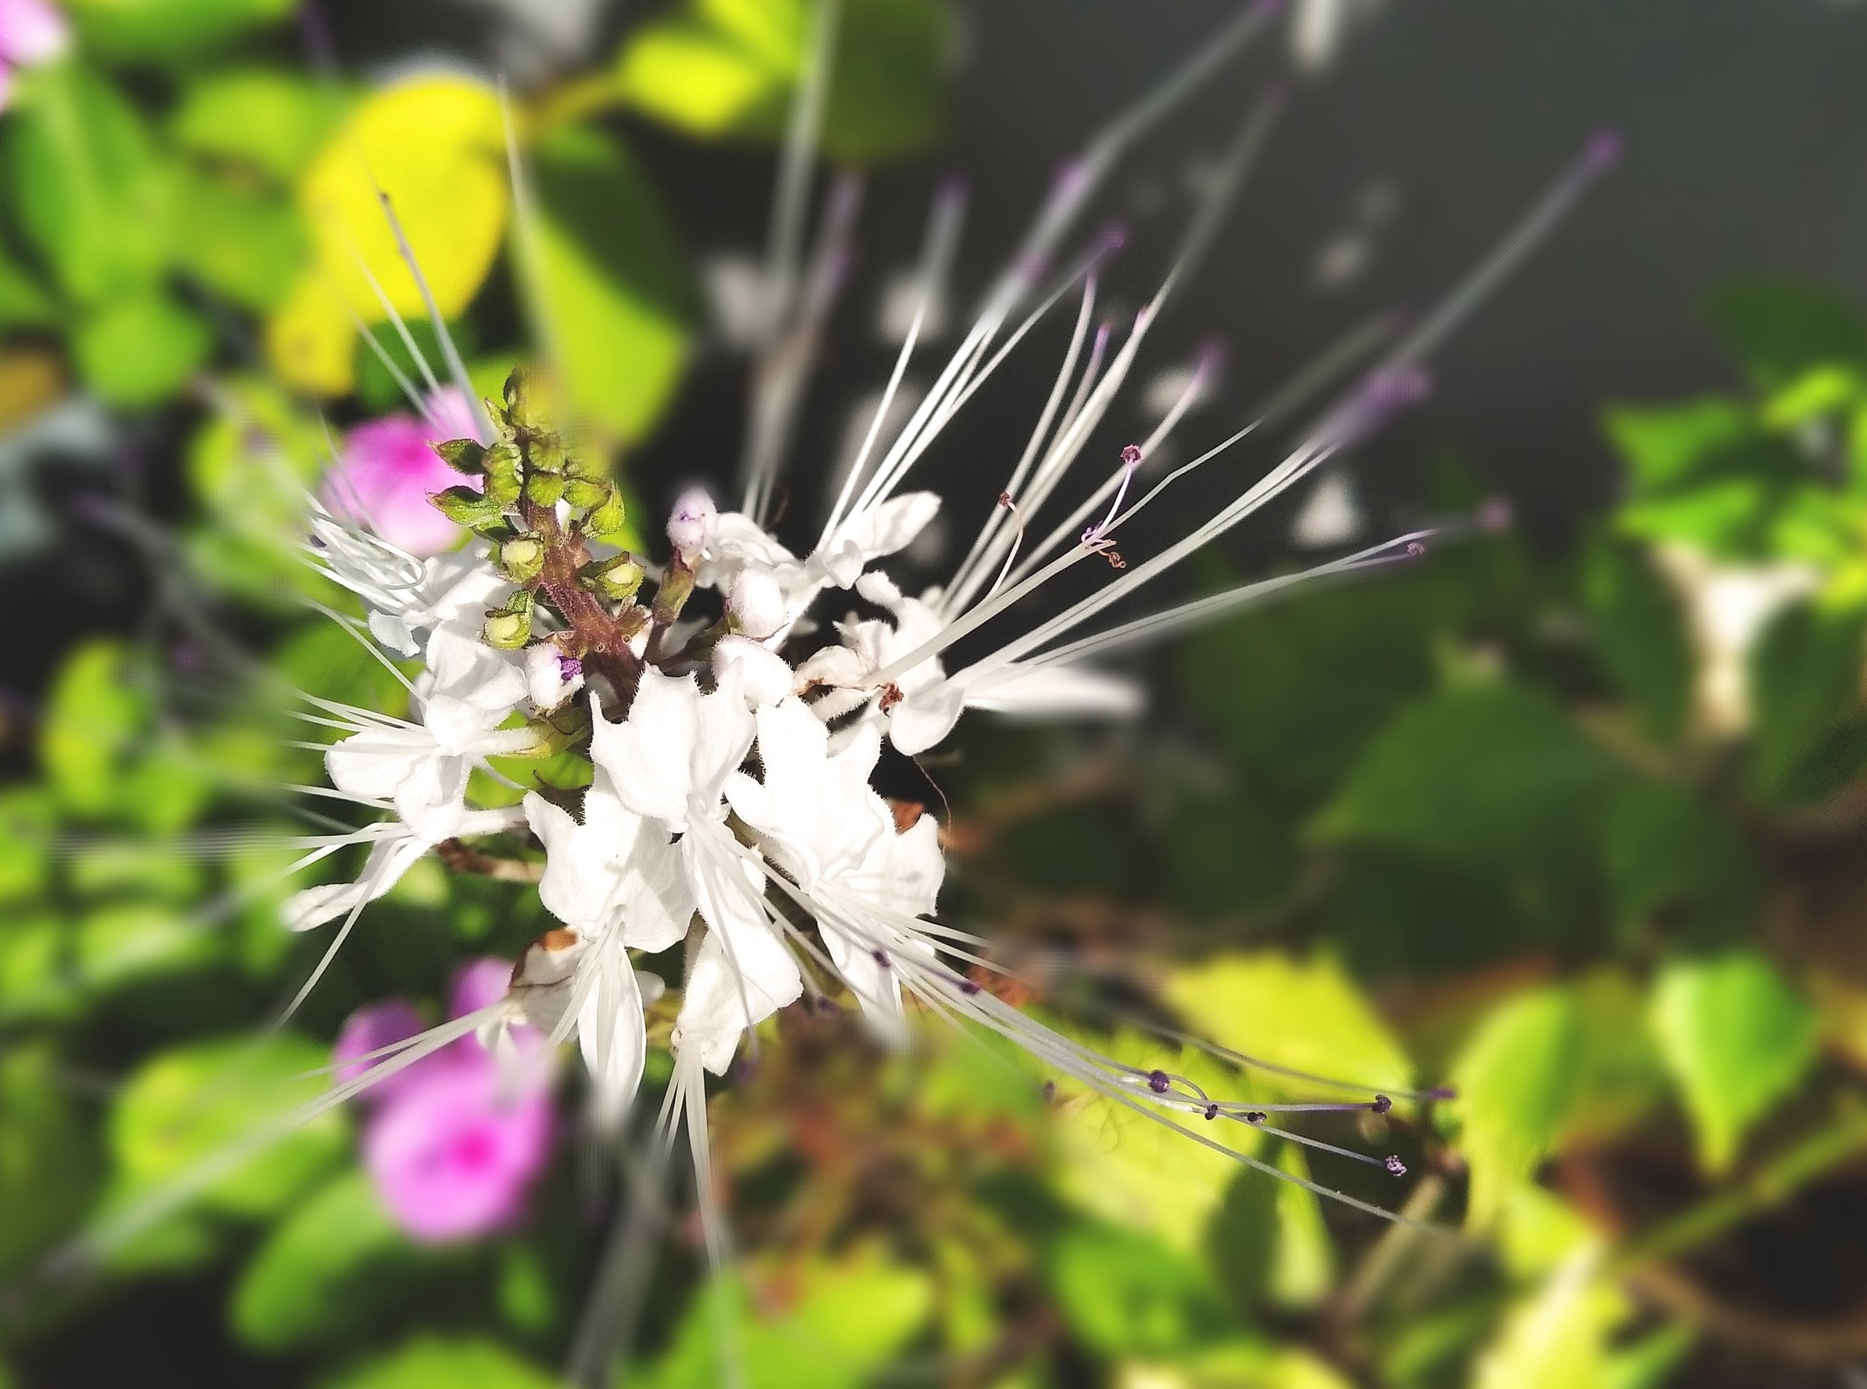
{"type": "Point", "coordinates": [1114, 236]}
{"type": "Point", "coordinates": [1496, 515]}
{"type": "Point", "coordinates": [1415, 549]}
{"type": "Point", "coordinates": [1050, 1092]}
{"type": "Point", "coordinates": [1604, 149]}
{"type": "Point", "coordinates": [1212, 1111]}
{"type": "Point", "coordinates": [1399, 386]}
{"type": "Point", "coordinates": [1157, 1082]}
{"type": "Point", "coordinates": [881, 958]}
{"type": "Point", "coordinates": [1381, 1104]}
{"type": "Point", "coordinates": [569, 667]}
{"type": "Point", "coordinates": [1394, 1165]}
{"type": "Point", "coordinates": [1130, 455]}
{"type": "Point", "coordinates": [1254, 1116]}
{"type": "Point", "coordinates": [969, 986]}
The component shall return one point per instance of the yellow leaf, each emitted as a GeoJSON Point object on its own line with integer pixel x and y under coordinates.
{"type": "Point", "coordinates": [434, 146]}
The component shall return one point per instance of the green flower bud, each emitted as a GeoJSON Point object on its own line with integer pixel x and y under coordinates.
{"type": "Point", "coordinates": [608, 517]}
{"type": "Point", "coordinates": [615, 579]}
{"type": "Point", "coordinates": [522, 558]}
{"type": "Point", "coordinates": [589, 471]}
{"type": "Point", "coordinates": [504, 478]}
{"type": "Point", "coordinates": [544, 453]}
{"type": "Point", "coordinates": [584, 494]}
{"type": "Point", "coordinates": [544, 489]}
{"type": "Point", "coordinates": [466, 507]}
{"type": "Point", "coordinates": [528, 401]}
{"type": "Point", "coordinates": [508, 631]}
{"type": "Point", "coordinates": [463, 455]}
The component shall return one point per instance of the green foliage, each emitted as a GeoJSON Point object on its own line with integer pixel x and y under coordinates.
{"type": "Point", "coordinates": [427, 1361]}
{"type": "Point", "coordinates": [140, 347]}
{"type": "Point", "coordinates": [847, 1319]}
{"type": "Point", "coordinates": [1126, 1294]}
{"type": "Point", "coordinates": [1639, 628]}
{"type": "Point", "coordinates": [612, 295]}
{"type": "Point", "coordinates": [1805, 687]}
{"type": "Point", "coordinates": [167, 30]}
{"type": "Point", "coordinates": [48, 1158]}
{"type": "Point", "coordinates": [1516, 1081]}
{"type": "Point", "coordinates": [729, 67]}
{"type": "Point", "coordinates": [268, 120]}
{"type": "Point", "coordinates": [1481, 773]}
{"type": "Point", "coordinates": [1737, 1037]}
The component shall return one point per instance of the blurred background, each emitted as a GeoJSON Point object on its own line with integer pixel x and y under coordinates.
{"type": "Point", "coordinates": [1569, 817]}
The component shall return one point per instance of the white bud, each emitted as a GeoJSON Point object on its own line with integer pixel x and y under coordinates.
{"type": "Point", "coordinates": [550, 676]}
{"type": "Point", "coordinates": [761, 676]}
{"type": "Point", "coordinates": [756, 604]}
{"type": "Point", "coordinates": [692, 524]}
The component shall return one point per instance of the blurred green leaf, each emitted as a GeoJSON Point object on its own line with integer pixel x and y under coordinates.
{"type": "Point", "coordinates": [1109, 1157]}
{"type": "Point", "coordinates": [434, 146]}
{"type": "Point", "coordinates": [85, 185]}
{"type": "Point", "coordinates": [1235, 1364]}
{"type": "Point", "coordinates": [1805, 683]}
{"type": "Point", "coordinates": [1124, 1294]}
{"type": "Point", "coordinates": [195, 1101]}
{"type": "Point", "coordinates": [140, 347]}
{"type": "Point", "coordinates": [729, 67]}
{"type": "Point", "coordinates": [133, 941]}
{"type": "Point", "coordinates": [24, 302]}
{"type": "Point", "coordinates": [239, 240]}
{"type": "Point", "coordinates": [1782, 330]}
{"type": "Point", "coordinates": [335, 1267]}
{"type": "Point", "coordinates": [37, 983]}
{"type": "Point", "coordinates": [1482, 773]}
{"type": "Point", "coordinates": [849, 1318]}
{"type": "Point", "coordinates": [28, 819]}
{"type": "Point", "coordinates": [431, 1362]}
{"type": "Point", "coordinates": [48, 1161]}
{"type": "Point", "coordinates": [94, 714]}
{"type": "Point", "coordinates": [1673, 858]}
{"type": "Point", "coordinates": [271, 120]}
{"type": "Point", "coordinates": [1822, 390]}
{"type": "Point", "coordinates": [1649, 1362]}
{"type": "Point", "coordinates": [1619, 1076]}
{"type": "Point", "coordinates": [1727, 516]}
{"type": "Point", "coordinates": [1515, 1081]}
{"type": "Point", "coordinates": [1738, 1039]}
{"type": "Point", "coordinates": [613, 292]}
{"type": "Point", "coordinates": [1269, 1240]}
{"type": "Point", "coordinates": [168, 29]}
{"type": "Point", "coordinates": [1307, 1015]}
{"type": "Point", "coordinates": [1639, 626]}
{"type": "Point", "coordinates": [1557, 1337]}
{"type": "Point", "coordinates": [1663, 444]}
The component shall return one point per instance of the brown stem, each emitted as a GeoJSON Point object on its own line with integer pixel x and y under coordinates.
{"type": "Point", "coordinates": [603, 638]}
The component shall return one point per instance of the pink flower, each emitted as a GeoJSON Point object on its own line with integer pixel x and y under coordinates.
{"type": "Point", "coordinates": [31, 32]}
{"type": "Point", "coordinates": [389, 467]}
{"type": "Point", "coordinates": [457, 1138]}
{"type": "Point", "coordinates": [454, 1156]}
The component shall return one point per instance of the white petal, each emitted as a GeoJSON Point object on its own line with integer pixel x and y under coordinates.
{"type": "Point", "coordinates": [921, 720]}
{"type": "Point", "coordinates": [648, 755]}
{"type": "Point", "coordinates": [611, 1033]}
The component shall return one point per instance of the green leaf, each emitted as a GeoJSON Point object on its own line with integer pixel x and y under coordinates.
{"type": "Point", "coordinates": [612, 290]}
{"type": "Point", "coordinates": [1238, 1364]}
{"type": "Point", "coordinates": [1805, 676]}
{"type": "Point", "coordinates": [1269, 1241]}
{"type": "Point", "coordinates": [1558, 1336]}
{"type": "Point", "coordinates": [1728, 516]}
{"type": "Point", "coordinates": [435, 1362]}
{"type": "Point", "coordinates": [1664, 444]}
{"type": "Point", "coordinates": [24, 303]}
{"type": "Point", "coordinates": [1737, 1038]}
{"type": "Point", "coordinates": [730, 68]}
{"type": "Point", "coordinates": [1125, 1294]}
{"type": "Point", "coordinates": [1135, 1172]}
{"type": "Point", "coordinates": [48, 1161]}
{"type": "Point", "coordinates": [28, 821]}
{"type": "Point", "coordinates": [1308, 1015]}
{"type": "Point", "coordinates": [94, 715]}
{"type": "Point", "coordinates": [36, 981]}
{"type": "Point", "coordinates": [140, 348]}
{"type": "Point", "coordinates": [270, 120]}
{"type": "Point", "coordinates": [334, 1268]}
{"type": "Point", "coordinates": [240, 240]}
{"type": "Point", "coordinates": [849, 1319]}
{"type": "Point", "coordinates": [1477, 774]}
{"type": "Point", "coordinates": [1822, 390]}
{"type": "Point", "coordinates": [1639, 627]}
{"type": "Point", "coordinates": [135, 941]}
{"type": "Point", "coordinates": [435, 147]}
{"type": "Point", "coordinates": [1649, 1362]}
{"type": "Point", "coordinates": [85, 185]}
{"type": "Point", "coordinates": [164, 30]}
{"type": "Point", "coordinates": [1515, 1081]}
{"type": "Point", "coordinates": [1780, 331]}
{"type": "Point", "coordinates": [195, 1101]}
{"type": "Point", "coordinates": [1669, 854]}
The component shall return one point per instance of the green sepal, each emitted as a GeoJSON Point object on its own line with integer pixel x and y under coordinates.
{"type": "Point", "coordinates": [617, 579]}
{"type": "Point", "coordinates": [544, 489]}
{"type": "Point", "coordinates": [463, 455]}
{"type": "Point", "coordinates": [508, 631]}
{"type": "Point", "coordinates": [466, 507]}
{"type": "Point", "coordinates": [584, 494]}
{"type": "Point", "coordinates": [522, 558]}
{"type": "Point", "coordinates": [609, 517]}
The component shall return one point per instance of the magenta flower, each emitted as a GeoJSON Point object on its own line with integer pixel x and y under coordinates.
{"type": "Point", "coordinates": [389, 467]}
{"type": "Point", "coordinates": [31, 32]}
{"type": "Point", "coordinates": [457, 1139]}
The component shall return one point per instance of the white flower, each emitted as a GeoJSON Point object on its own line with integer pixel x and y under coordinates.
{"type": "Point", "coordinates": [551, 677]}
{"type": "Point", "coordinates": [394, 849]}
